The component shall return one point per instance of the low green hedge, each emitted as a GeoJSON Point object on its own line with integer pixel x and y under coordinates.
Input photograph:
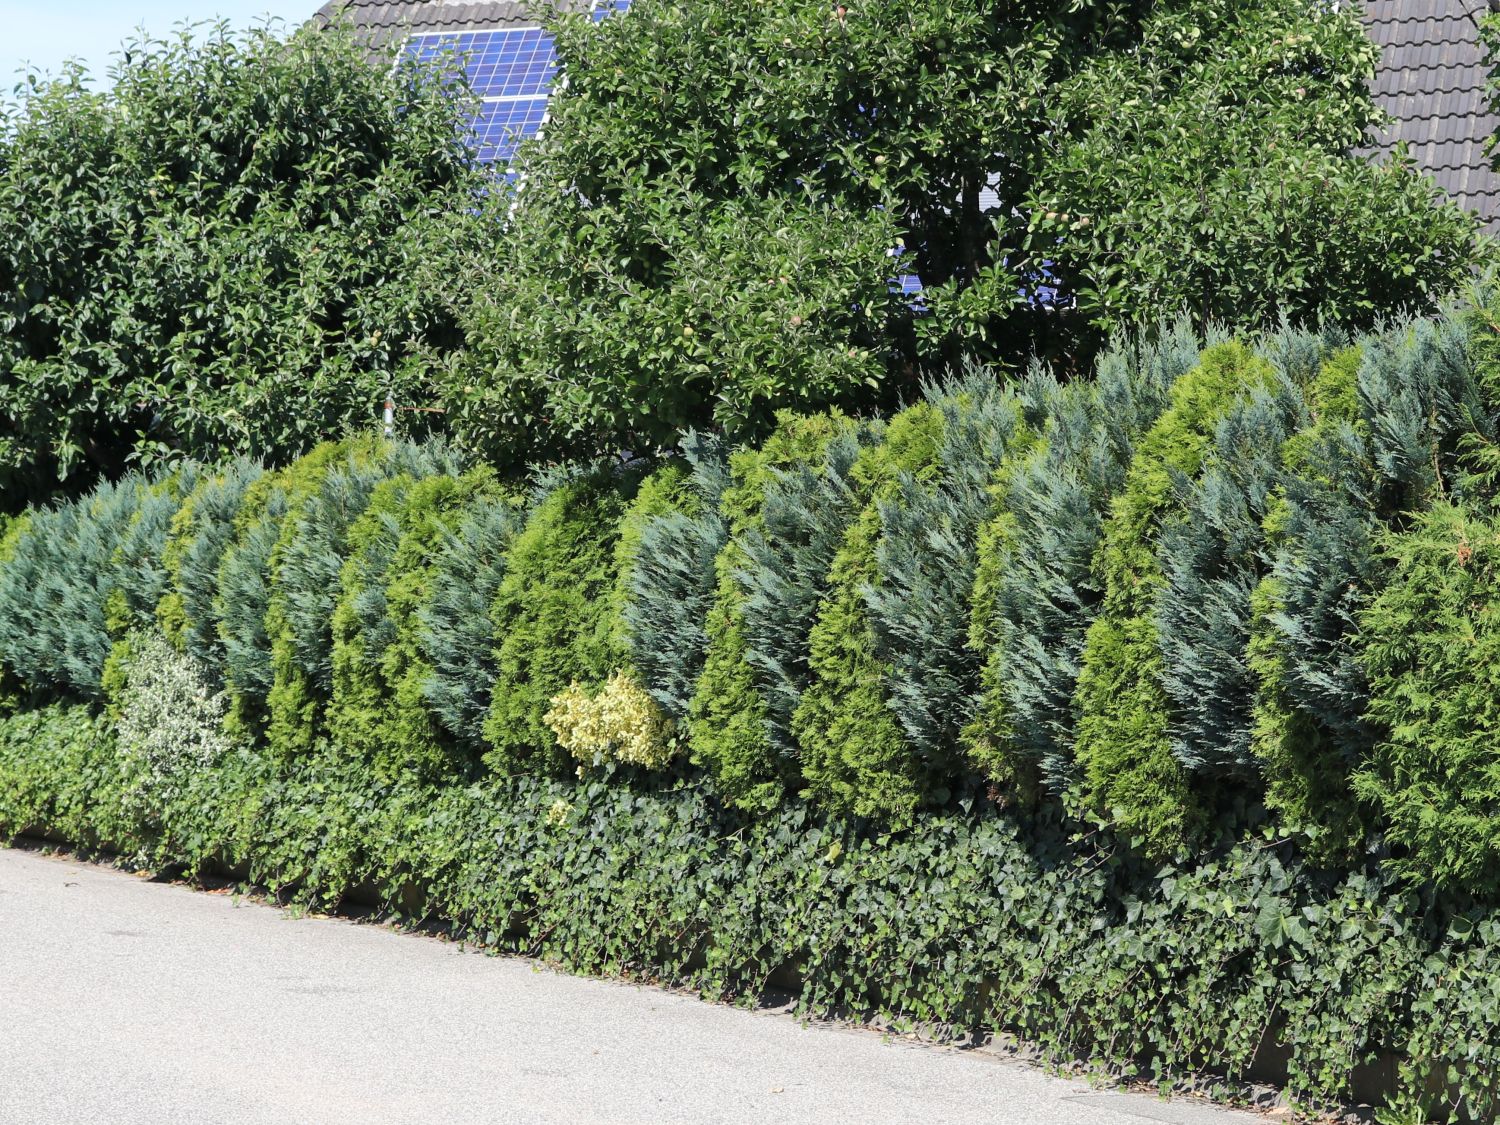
{"type": "Point", "coordinates": [962, 921]}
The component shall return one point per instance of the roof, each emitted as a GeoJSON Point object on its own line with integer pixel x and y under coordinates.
{"type": "Point", "coordinates": [380, 21]}
{"type": "Point", "coordinates": [1431, 80]}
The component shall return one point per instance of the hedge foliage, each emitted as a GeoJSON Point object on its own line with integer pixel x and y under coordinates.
{"type": "Point", "coordinates": [706, 237]}
{"type": "Point", "coordinates": [1146, 971]}
{"type": "Point", "coordinates": [553, 614]}
{"type": "Point", "coordinates": [240, 247]}
{"type": "Point", "coordinates": [1221, 614]}
{"type": "Point", "coordinates": [245, 243]}
{"type": "Point", "coordinates": [1180, 600]}
{"type": "Point", "coordinates": [1126, 766]}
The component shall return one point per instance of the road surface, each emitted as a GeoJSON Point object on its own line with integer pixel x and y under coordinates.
{"type": "Point", "coordinates": [125, 1001]}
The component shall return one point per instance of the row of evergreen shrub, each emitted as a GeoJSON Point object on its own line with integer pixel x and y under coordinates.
{"type": "Point", "coordinates": [1223, 580]}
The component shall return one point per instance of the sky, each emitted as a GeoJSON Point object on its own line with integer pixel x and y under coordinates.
{"type": "Point", "coordinates": [44, 35]}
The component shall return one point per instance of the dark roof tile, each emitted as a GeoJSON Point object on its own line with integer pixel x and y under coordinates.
{"type": "Point", "coordinates": [1431, 81]}
{"type": "Point", "coordinates": [380, 22]}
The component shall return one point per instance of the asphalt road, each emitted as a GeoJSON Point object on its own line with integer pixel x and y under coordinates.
{"type": "Point", "coordinates": [125, 1001]}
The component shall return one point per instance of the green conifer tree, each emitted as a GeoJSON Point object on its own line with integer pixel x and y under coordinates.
{"type": "Point", "coordinates": [552, 617]}
{"type": "Point", "coordinates": [379, 710]}
{"type": "Point", "coordinates": [877, 722]}
{"type": "Point", "coordinates": [455, 632]}
{"type": "Point", "coordinates": [1127, 771]}
{"type": "Point", "coordinates": [786, 509]}
{"type": "Point", "coordinates": [671, 586]}
{"type": "Point", "coordinates": [200, 532]}
{"type": "Point", "coordinates": [1035, 592]}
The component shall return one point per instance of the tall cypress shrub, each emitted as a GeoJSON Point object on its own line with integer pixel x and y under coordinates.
{"type": "Point", "coordinates": [670, 589]}
{"type": "Point", "coordinates": [1320, 562]}
{"type": "Point", "coordinates": [1035, 591]}
{"type": "Point", "coordinates": [455, 634]}
{"type": "Point", "coordinates": [1393, 425]}
{"type": "Point", "coordinates": [786, 510]}
{"type": "Point", "coordinates": [200, 533]}
{"type": "Point", "coordinates": [551, 614]}
{"type": "Point", "coordinates": [1127, 771]}
{"type": "Point", "coordinates": [877, 724]}
{"type": "Point", "coordinates": [927, 560]}
{"type": "Point", "coordinates": [244, 586]}
{"type": "Point", "coordinates": [619, 720]}
{"type": "Point", "coordinates": [378, 709]}
{"type": "Point", "coordinates": [1210, 556]}
{"type": "Point", "coordinates": [76, 571]}
{"type": "Point", "coordinates": [304, 572]}
{"type": "Point", "coordinates": [1431, 649]}
{"type": "Point", "coordinates": [850, 744]}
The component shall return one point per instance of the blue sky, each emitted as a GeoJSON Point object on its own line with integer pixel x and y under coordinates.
{"type": "Point", "coordinates": [44, 35]}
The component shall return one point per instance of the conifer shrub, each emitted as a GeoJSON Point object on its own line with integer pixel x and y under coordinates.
{"type": "Point", "coordinates": [1320, 562]}
{"type": "Point", "coordinates": [619, 719]}
{"type": "Point", "coordinates": [1127, 771]}
{"type": "Point", "coordinates": [668, 490]}
{"type": "Point", "coordinates": [362, 628]}
{"type": "Point", "coordinates": [669, 591]}
{"type": "Point", "coordinates": [251, 610]}
{"type": "Point", "coordinates": [303, 572]}
{"type": "Point", "coordinates": [850, 743]}
{"type": "Point", "coordinates": [1210, 555]}
{"type": "Point", "coordinates": [1393, 427]}
{"type": "Point", "coordinates": [552, 614]}
{"type": "Point", "coordinates": [139, 556]}
{"type": "Point", "coordinates": [786, 508]}
{"type": "Point", "coordinates": [1035, 591]}
{"type": "Point", "coordinates": [927, 561]}
{"type": "Point", "coordinates": [244, 585]}
{"type": "Point", "coordinates": [379, 709]}
{"type": "Point", "coordinates": [455, 633]}
{"type": "Point", "coordinates": [74, 571]}
{"type": "Point", "coordinates": [889, 691]}
{"type": "Point", "coordinates": [1431, 650]}
{"type": "Point", "coordinates": [11, 530]}
{"type": "Point", "coordinates": [200, 532]}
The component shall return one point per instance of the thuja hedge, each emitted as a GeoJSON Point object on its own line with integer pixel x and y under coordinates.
{"type": "Point", "coordinates": [1189, 596]}
{"type": "Point", "coordinates": [1225, 591]}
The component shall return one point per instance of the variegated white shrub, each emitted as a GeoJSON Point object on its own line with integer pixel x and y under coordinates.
{"type": "Point", "coordinates": [171, 720]}
{"type": "Point", "coordinates": [618, 721]}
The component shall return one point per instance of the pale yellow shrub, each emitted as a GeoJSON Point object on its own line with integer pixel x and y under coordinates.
{"type": "Point", "coordinates": [619, 721]}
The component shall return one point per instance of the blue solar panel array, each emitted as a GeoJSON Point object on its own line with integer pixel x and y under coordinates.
{"type": "Point", "coordinates": [512, 70]}
{"type": "Point", "coordinates": [501, 126]}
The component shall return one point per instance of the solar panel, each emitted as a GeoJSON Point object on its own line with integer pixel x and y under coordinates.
{"type": "Point", "coordinates": [511, 70]}
{"type": "Point", "coordinates": [514, 63]}
{"type": "Point", "coordinates": [604, 8]}
{"type": "Point", "coordinates": [501, 126]}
